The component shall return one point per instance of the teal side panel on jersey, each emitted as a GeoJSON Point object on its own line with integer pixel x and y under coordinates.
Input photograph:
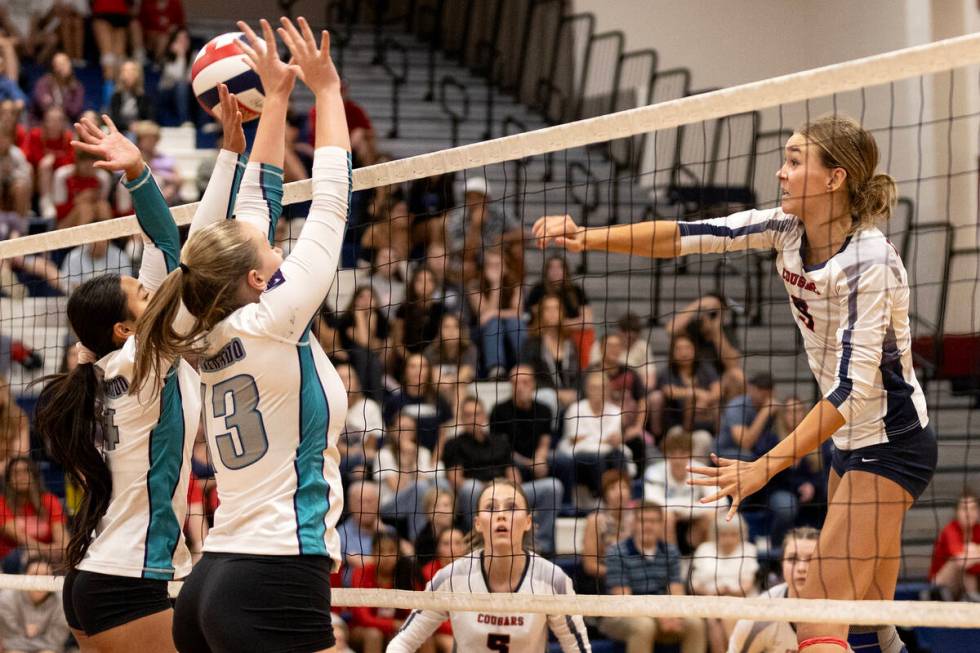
{"type": "Point", "coordinates": [271, 183]}
{"type": "Point", "coordinates": [236, 182]}
{"type": "Point", "coordinates": [166, 460]}
{"type": "Point", "coordinates": [310, 501]}
{"type": "Point", "coordinates": [154, 217]}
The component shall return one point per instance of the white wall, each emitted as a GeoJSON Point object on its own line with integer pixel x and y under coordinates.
{"type": "Point", "coordinates": [729, 42]}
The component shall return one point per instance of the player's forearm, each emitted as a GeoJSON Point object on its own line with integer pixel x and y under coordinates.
{"type": "Point", "coordinates": [331, 120]}
{"type": "Point", "coordinates": [655, 239]}
{"type": "Point", "coordinates": [821, 422]}
{"type": "Point", "coordinates": [270, 144]}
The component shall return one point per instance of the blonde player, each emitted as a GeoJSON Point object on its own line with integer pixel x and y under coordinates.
{"type": "Point", "coordinates": [502, 524]}
{"type": "Point", "coordinates": [130, 454]}
{"type": "Point", "coordinates": [273, 405]}
{"type": "Point", "coordinates": [849, 293]}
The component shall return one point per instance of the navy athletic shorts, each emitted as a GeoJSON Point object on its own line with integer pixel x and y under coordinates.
{"type": "Point", "coordinates": [236, 602]}
{"type": "Point", "coordinates": [910, 460]}
{"type": "Point", "coordinates": [95, 603]}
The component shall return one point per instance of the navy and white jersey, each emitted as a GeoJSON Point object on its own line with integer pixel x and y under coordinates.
{"type": "Point", "coordinates": [273, 405]}
{"type": "Point", "coordinates": [498, 630]}
{"type": "Point", "coordinates": [853, 313]}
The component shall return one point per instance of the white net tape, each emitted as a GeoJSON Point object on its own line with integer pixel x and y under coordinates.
{"type": "Point", "coordinates": [828, 80]}
{"type": "Point", "coordinates": [859, 613]}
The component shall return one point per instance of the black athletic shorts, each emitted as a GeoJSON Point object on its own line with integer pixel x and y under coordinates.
{"type": "Point", "coordinates": [910, 460]}
{"type": "Point", "coordinates": [95, 603]}
{"type": "Point", "coordinates": [234, 602]}
{"type": "Point", "coordinates": [116, 20]}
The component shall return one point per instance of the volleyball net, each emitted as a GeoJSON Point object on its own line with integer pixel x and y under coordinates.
{"type": "Point", "coordinates": [442, 295]}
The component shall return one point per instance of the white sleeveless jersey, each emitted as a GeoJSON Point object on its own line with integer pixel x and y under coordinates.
{"type": "Point", "coordinates": [853, 313]}
{"type": "Point", "coordinates": [491, 632]}
{"type": "Point", "coordinates": [273, 405]}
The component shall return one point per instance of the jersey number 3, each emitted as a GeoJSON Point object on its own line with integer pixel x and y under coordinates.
{"type": "Point", "coordinates": [237, 400]}
{"type": "Point", "coordinates": [497, 642]}
{"type": "Point", "coordinates": [804, 310]}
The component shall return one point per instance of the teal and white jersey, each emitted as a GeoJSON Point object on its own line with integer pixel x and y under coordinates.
{"type": "Point", "coordinates": [274, 406]}
{"type": "Point", "coordinates": [500, 630]}
{"type": "Point", "coordinates": [853, 314]}
{"type": "Point", "coordinates": [147, 439]}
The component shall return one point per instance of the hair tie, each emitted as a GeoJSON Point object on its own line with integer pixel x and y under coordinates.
{"type": "Point", "coordinates": [184, 268]}
{"type": "Point", "coordinates": [84, 355]}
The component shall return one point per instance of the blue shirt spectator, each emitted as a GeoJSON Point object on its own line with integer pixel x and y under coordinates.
{"type": "Point", "coordinates": [748, 423]}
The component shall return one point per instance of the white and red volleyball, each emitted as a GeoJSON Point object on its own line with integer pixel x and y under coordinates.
{"type": "Point", "coordinates": [223, 61]}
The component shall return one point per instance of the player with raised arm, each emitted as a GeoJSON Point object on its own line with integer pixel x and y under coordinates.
{"type": "Point", "coordinates": [130, 454]}
{"type": "Point", "coordinates": [500, 563]}
{"type": "Point", "coordinates": [273, 405]}
{"type": "Point", "coordinates": [849, 293]}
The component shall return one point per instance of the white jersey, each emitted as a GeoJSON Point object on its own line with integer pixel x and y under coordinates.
{"type": "Point", "coordinates": [274, 406]}
{"type": "Point", "coordinates": [853, 313]}
{"type": "Point", "coordinates": [148, 438]}
{"type": "Point", "coordinates": [496, 631]}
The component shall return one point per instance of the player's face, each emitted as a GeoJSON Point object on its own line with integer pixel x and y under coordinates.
{"type": "Point", "coordinates": [503, 520]}
{"type": "Point", "coordinates": [802, 178]}
{"type": "Point", "coordinates": [796, 563]}
{"type": "Point", "coordinates": [137, 298]}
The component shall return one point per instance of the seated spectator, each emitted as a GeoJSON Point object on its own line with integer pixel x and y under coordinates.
{"type": "Point", "coordinates": [362, 524]}
{"type": "Point", "coordinates": [80, 192]}
{"type": "Point", "coordinates": [665, 482]}
{"type": "Point", "coordinates": [70, 15]}
{"type": "Point", "coordinates": [551, 352]}
{"type": "Point", "coordinates": [955, 564]}
{"type": "Point", "coordinates": [610, 523]}
{"type": "Point", "coordinates": [626, 392]}
{"type": "Point", "coordinates": [372, 628]}
{"type": "Point", "coordinates": [725, 565]}
{"type": "Point", "coordinates": [691, 390]}
{"type": "Point", "coordinates": [364, 330]}
{"type": "Point", "coordinates": [645, 564]}
{"type": "Point", "coordinates": [439, 509]}
{"type": "Point", "coordinates": [16, 178]}
{"type": "Point", "coordinates": [704, 322]}
{"type": "Point", "coordinates": [10, 73]}
{"type": "Point", "coordinates": [799, 547]}
{"type": "Point", "coordinates": [452, 385]}
{"type": "Point", "coordinates": [388, 276]}
{"type": "Point", "coordinates": [447, 290]}
{"type": "Point", "coordinates": [15, 436]}
{"type": "Point", "coordinates": [89, 260]}
{"type": "Point", "coordinates": [475, 456]}
{"type": "Point", "coordinates": [495, 300]}
{"type": "Point", "coordinates": [33, 621]}
{"type": "Point", "coordinates": [129, 102]}
{"type": "Point", "coordinates": [381, 218]}
{"type": "Point", "coordinates": [405, 472]}
{"type": "Point", "coordinates": [417, 319]}
{"type": "Point", "coordinates": [174, 88]}
{"type": "Point", "coordinates": [428, 200]}
{"type": "Point", "coordinates": [453, 348]}
{"type": "Point", "coordinates": [526, 423]}
{"type": "Point", "coordinates": [747, 432]}
{"type": "Point", "coordinates": [47, 148]}
{"type": "Point", "coordinates": [477, 226]}
{"type": "Point", "coordinates": [32, 521]}
{"type": "Point", "coordinates": [557, 280]}
{"type": "Point", "coordinates": [363, 429]}
{"type": "Point", "coordinates": [163, 166]}
{"type": "Point", "coordinates": [418, 398]}
{"type": "Point", "coordinates": [638, 353]}
{"type": "Point", "coordinates": [592, 438]}
{"type": "Point", "coordinates": [110, 26]}
{"type": "Point", "coordinates": [59, 88]}
{"type": "Point", "coordinates": [159, 20]}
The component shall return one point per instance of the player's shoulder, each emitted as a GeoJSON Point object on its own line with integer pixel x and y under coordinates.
{"type": "Point", "coordinates": [866, 250]}
{"type": "Point", "coordinates": [457, 575]}
{"type": "Point", "coordinates": [776, 592]}
{"type": "Point", "coordinates": [547, 576]}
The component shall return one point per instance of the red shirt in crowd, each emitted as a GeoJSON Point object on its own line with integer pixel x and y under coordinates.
{"type": "Point", "coordinates": [951, 543]}
{"type": "Point", "coordinates": [29, 522]}
{"type": "Point", "coordinates": [37, 146]}
{"type": "Point", "coordinates": [162, 15]}
{"type": "Point", "coordinates": [67, 184]}
{"type": "Point", "coordinates": [381, 618]}
{"type": "Point", "coordinates": [110, 7]}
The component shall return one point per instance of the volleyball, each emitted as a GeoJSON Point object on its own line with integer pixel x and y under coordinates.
{"type": "Point", "coordinates": [222, 60]}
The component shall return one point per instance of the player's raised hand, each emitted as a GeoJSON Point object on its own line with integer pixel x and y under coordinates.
{"type": "Point", "coordinates": [737, 479]}
{"type": "Point", "coordinates": [277, 76]}
{"type": "Point", "coordinates": [230, 116]}
{"type": "Point", "coordinates": [316, 67]}
{"type": "Point", "coordinates": [115, 151]}
{"type": "Point", "coordinates": [559, 230]}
